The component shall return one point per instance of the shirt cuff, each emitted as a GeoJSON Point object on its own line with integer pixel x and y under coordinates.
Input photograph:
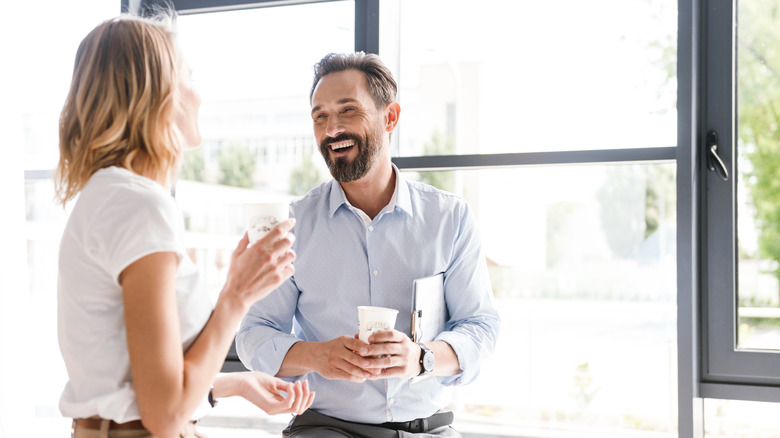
{"type": "Point", "coordinates": [468, 358]}
{"type": "Point", "coordinates": [270, 359]}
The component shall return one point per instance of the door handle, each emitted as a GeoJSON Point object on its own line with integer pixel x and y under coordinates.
{"type": "Point", "coordinates": [714, 162]}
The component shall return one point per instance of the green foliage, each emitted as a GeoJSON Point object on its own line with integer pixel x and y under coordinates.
{"type": "Point", "coordinates": [439, 144]}
{"type": "Point", "coordinates": [193, 165]}
{"type": "Point", "coordinates": [304, 177]}
{"type": "Point", "coordinates": [759, 117]}
{"type": "Point", "coordinates": [237, 165]}
{"type": "Point", "coordinates": [660, 196]}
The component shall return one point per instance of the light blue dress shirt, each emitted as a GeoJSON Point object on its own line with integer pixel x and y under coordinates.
{"type": "Point", "coordinates": [344, 262]}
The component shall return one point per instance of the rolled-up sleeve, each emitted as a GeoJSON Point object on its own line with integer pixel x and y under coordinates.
{"type": "Point", "coordinates": [265, 335]}
{"type": "Point", "coordinates": [474, 324]}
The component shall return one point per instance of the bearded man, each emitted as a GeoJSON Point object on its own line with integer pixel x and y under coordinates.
{"type": "Point", "coordinates": [362, 239]}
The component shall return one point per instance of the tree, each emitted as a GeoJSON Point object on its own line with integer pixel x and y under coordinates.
{"type": "Point", "coordinates": [439, 144]}
{"type": "Point", "coordinates": [193, 165]}
{"type": "Point", "coordinates": [237, 165]}
{"type": "Point", "coordinates": [759, 118]}
{"type": "Point", "coordinates": [304, 176]}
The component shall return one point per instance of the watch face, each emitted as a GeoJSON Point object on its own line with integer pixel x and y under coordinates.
{"type": "Point", "coordinates": [428, 361]}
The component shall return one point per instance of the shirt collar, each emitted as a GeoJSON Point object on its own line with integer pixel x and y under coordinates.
{"type": "Point", "coordinates": [401, 197]}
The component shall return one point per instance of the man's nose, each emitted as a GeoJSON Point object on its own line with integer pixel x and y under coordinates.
{"type": "Point", "coordinates": [334, 127]}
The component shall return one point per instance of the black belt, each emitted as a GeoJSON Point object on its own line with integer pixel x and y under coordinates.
{"type": "Point", "coordinates": [422, 425]}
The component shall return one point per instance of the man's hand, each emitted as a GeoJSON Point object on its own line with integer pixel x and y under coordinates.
{"type": "Point", "coordinates": [390, 354]}
{"type": "Point", "coordinates": [338, 359]}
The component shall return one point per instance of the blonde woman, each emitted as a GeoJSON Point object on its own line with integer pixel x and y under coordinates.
{"type": "Point", "coordinates": [141, 342]}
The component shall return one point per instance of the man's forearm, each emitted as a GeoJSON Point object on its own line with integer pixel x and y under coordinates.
{"type": "Point", "coordinates": [446, 360]}
{"type": "Point", "coordinates": [299, 360]}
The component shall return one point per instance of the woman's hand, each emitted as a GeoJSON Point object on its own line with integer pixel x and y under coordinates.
{"type": "Point", "coordinates": [265, 392]}
{"type": "Point", "coordinates": [258, 269]}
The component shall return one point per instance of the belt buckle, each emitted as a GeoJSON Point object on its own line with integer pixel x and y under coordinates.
{"type": "Point", "coordinates": [419, 425]}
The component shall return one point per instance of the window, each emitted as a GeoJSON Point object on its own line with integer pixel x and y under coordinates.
{"type": "Point", "coordinates": [581, 257]}
{"type": "Point", "coordinates": [608, 103]}
{"type": "Point", "coordinates": [741, 260]}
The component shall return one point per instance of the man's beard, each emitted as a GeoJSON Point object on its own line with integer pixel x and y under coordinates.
{"type": "Point", "coordinates": [367, 151]}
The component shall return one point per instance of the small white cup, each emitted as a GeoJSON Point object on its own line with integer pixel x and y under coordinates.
{"type": "Point", "coordinates": [260, 218]}
{"type": "Point", "coordinates": [374, 319]}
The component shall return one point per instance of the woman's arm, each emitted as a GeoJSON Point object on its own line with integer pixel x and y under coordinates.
{"type": "Point", "coordinates": [265, 391]}
{"type": "Point", "coordinates": [169, 385]}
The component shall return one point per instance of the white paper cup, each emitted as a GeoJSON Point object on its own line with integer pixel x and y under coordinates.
{"type": "Point", "coordinates": [374, 319]}
{"type": "Point", "coordinates": [261, 218]}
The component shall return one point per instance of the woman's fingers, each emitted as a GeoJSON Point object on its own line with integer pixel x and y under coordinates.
{"type": "Point", "coordinates": [277, 233]}
{"type": "Point", "coordinates": [241, 246]}
{"type": "Point", "coordinates": [299, 396]}
{"type": "Point", "coordinates": [307, 399]}
{"type": "Point", "coordinates": [258, 269]}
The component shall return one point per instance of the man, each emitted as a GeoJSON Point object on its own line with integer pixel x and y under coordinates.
{"type": "Point", "coordinates": [361, 239]}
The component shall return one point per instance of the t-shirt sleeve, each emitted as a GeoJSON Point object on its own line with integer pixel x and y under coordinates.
{"type": "Point", "coordinates": [134, 225]}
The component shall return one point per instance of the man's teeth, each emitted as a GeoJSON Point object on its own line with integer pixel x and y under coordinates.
{"type": "Point", "coordinates": [342, 144]}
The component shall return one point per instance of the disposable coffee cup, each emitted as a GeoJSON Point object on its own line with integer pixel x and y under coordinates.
{"type": "Point", "coordinates": [261, 218]}
{"type": "Point", "coordinates": [374, 319]}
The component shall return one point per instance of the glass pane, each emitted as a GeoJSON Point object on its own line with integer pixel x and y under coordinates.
{"type": "Point", "coordinates": [739, 419]}
{"type": "Point", "coordinates": [32, 104]}
{"type": "Point", "coordinates": [495, 76]}
{"type": "Point", "coordinates": [254, 118]}
{"type": "Point", "coordinates": [758, 94]}
{"type": "Point", "coordinates": [584, 275]}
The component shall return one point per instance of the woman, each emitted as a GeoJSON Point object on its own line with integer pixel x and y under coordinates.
{"type": "Point", "coordinates": [140, 341]}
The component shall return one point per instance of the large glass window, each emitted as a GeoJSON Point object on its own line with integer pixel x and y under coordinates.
{"type": "Point", "coordinates": [581, 256]}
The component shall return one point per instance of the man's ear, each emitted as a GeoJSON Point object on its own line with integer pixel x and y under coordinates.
{"type": "Point", "coordinates": [392, 112]}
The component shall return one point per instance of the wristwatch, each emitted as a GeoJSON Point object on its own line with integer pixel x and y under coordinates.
{"type": "Point", "coordinates": [427, 361]}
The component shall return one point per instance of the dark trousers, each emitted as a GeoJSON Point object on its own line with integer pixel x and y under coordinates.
{"type": "Point", "coordinates": [312, 424]}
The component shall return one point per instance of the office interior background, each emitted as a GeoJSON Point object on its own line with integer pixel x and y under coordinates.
{"type": "Point", "coordinates": [620, 156]}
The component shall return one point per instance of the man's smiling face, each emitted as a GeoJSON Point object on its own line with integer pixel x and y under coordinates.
{"type": "Point", "coordinates": [347, 125]}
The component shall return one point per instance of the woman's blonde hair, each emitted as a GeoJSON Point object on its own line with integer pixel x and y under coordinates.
{"type": "Point", "coordinates": [120, 108]}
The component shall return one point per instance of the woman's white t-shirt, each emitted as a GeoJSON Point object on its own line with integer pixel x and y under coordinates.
{"type": "Point", "coordinates": [119, 217]}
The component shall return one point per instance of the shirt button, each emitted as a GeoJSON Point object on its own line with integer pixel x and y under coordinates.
{"type": "Point", "coordinates": [376, 272]}
{"type": "Point", "coordinates": [391, 401]}
{"type": "Point", "coordinates": [370, 228]}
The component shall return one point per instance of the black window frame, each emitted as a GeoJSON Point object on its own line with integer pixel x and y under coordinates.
{"type": "Point", "coordinates": [726, 372]}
